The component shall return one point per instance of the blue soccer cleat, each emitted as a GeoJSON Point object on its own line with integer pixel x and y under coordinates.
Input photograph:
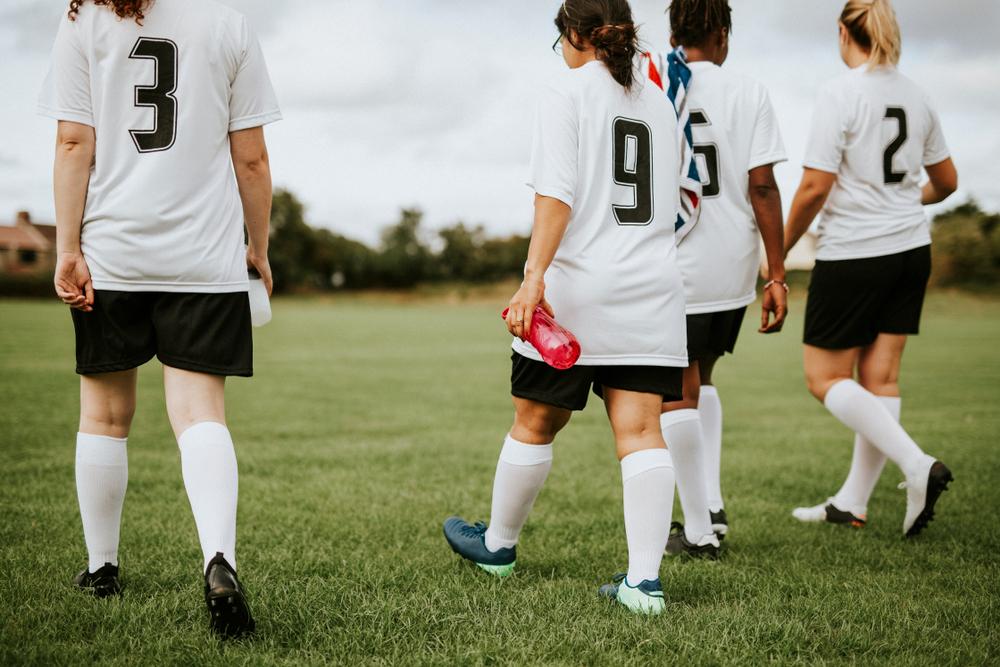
{"type": "Point", "coordinates": [646, 598]}
{"type": "Point", "coordinates": [469, 542]}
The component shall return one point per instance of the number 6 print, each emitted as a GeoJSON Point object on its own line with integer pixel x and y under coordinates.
{"type": "Point", "coordinates": [159, 96]}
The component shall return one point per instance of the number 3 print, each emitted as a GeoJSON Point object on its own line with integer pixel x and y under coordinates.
{"type": "Point", "coordinates": [159, 96]}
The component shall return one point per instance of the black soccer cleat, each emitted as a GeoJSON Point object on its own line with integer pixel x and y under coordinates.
{"type": "Point", "coordinates": [678, 544]}
{"type": "Point", "coordinates": [829, 513]}
{"type": "Point", "coordinates": [229, 614]}
{"type": "Point", "coordinates": [921, 498]}
{"type": "Point", "coordinates": [720, 524]}
{"type": "Point", "coordinates": [103, 583]}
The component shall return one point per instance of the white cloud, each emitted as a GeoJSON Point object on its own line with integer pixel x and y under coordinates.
{"type": "Point", "coordinates": [390, 103]}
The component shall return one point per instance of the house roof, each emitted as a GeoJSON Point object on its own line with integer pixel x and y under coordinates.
{"type": "Point", "coordinates": [21, 238]}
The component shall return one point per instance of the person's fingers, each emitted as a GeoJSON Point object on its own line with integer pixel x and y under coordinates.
{"type": "Point", "coordinates": [268, 282]}
{"type": "Point", "coordinates": [88, 290]}
{"type": "Point", "coordinates": [526, 330]}
{"type": "Point", "coordinates": [763, 316]}
{"type": "Point", "coordinates": [547, 308]}
{"type": "Point", "coordinates": [512, 321]}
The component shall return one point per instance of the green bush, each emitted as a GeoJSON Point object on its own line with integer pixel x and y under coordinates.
{"type": "Point", "coordinates": [966, 247]}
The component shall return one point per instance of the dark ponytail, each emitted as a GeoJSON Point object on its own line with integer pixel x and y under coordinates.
{"type": "Point", "coordinates": [607, 25]}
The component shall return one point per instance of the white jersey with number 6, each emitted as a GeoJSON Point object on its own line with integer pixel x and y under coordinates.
{"type": "Point", "coordinates": [875, 129]}
{"type": "Point", "coordinates": [163, 209]}
{"type": "Point", "coordinates": [734, 130]}
{"type": "Point", "coordinates": [612, 156]}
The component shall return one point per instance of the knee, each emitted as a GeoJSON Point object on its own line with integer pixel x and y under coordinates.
{"type": "Point", "coordinates": [110, 420]}
{"type": "Point", "coordinates": [820, 383]}
{"type": "Point", "coordinates": [880, 384]}
{"type": "Point", "coordinates": [537, 427]}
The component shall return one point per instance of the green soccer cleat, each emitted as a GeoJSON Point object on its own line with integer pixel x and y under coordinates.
{"type": "Point", "coordinates": [646, 598]}
{"type": "Point", "coordinates": [469, 542]}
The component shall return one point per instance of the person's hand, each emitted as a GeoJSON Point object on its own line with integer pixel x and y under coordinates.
{"type": "Point", "coordinates": [522, 307]}
{"type": "Point", "coordinates": [261, 265]}
{"type": "Point", "coordinates": [72, 281]}
{"type": "Point", "coordinates": [775, 302]}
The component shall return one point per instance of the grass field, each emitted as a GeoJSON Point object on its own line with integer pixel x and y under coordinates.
{"type": "Point", "coordinates": [370, 421]}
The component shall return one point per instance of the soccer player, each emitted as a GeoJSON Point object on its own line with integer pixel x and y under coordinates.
{"type": "Point", "coordinates": [873, 132]}
{"type": "Point", "coordinates": [160, 160]}
{"type": "Point", "coordinates": [604, 171]}
{"type": "Point", "coordinates": [737, 142]}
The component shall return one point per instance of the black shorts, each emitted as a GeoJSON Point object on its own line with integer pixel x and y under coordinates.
{"type": "Point", "coordinates": [569, 389]}
{"type": "Point", "coordinates": [713, 334]}
{"type": "Point", "coordinates": [205, 333]}
{"type": "Point", "coordinates": [852, 301]}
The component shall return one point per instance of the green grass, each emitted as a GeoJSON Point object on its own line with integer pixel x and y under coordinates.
{"type": "Point", "coordinates": [369, 422]}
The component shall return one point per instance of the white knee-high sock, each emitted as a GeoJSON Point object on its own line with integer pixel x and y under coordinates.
{"type": "Point", "coordinates": [208, 462]}
{"type": "Point", "coordinates": [866, 467]}
{"type": "Point", "coordinates": [710, 410]}
{"type": "Point", "coordinates": [648, 495]}
{"type": "Point", "coordinates": [521, 472]}
{"type": "Point", "coordinates": [101, 479]}
{"type": "Point", "coordinates": [682, 433]}
{"type": "Point", "coordinates": [862, 411]}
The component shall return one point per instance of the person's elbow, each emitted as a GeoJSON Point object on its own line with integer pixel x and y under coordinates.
{"type": "Point", "coordinates": [75, 140]}
{"type": "Point", "coordinates": [816, 186]}
{"type": "Point", "coordinates": [249, 152]}
{"type": "Point", "coordinates": [948, 185]}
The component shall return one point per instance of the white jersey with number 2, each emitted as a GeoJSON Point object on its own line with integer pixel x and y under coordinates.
{"type": "Point", "coordinates": [734, 130]}
{"type": "Point", "coordinates": [875, 129]}
{"type": "Point", "coordinates": [612, 156]}
{"type": "Point", "coordinates": [163, 209]}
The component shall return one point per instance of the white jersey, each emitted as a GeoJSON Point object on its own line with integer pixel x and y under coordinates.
{"type": "Point", "coordinates": [875, 129]}
{"type": "Point", "coordinates": [734, 130]}
{"type": "Point", "coordinates": [613, 158]}
{"type": "Point", "coordinates": [163, 209]}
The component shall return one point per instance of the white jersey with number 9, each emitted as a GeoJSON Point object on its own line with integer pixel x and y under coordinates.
{"type": "Point", "coordinates": [612, 156]}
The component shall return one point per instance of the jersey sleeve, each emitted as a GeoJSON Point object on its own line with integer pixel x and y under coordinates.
{"type": "Point", "coordinates": [252, 101]}
{"type": "Point", "coordinates": [766, 146]}
{"type": "Point", "coordinates": [554, 149]}
{"type": "Point", "coordinates": [66, 91]}
{"type": "Point", "coordinates": [935, 148]}
{"type": "Point", "coordinates": [828, 135]}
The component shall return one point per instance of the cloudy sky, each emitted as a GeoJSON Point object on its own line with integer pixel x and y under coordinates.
{"type": "Point", "coordinates": [392, 103]}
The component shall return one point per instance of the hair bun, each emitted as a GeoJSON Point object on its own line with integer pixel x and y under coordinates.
{"type": "Point", "coordinates": [614, 37]}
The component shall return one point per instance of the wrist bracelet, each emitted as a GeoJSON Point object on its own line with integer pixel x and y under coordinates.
{"type": "Point", "coordinates": [777, 282]}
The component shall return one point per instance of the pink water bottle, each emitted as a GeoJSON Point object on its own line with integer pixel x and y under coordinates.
{"type": "Point", "coordinates": [557, 345]}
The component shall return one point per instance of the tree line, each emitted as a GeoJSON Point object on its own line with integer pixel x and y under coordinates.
{"type": "Point", "coordinates": [305, 258]}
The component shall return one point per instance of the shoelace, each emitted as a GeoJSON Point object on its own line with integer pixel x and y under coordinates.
{"type": "Point", "coordinates": [475, 530]}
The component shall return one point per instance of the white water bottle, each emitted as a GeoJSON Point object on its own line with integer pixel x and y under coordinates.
{"type": "Point", "coordinates": [260, 304]}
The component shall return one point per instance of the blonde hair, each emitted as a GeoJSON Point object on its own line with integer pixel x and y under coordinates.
{"type": "Point", "coordinates": [872, 24]}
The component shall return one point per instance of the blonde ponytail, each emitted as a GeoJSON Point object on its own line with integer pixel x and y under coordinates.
{"type": "Point", "coordinates": [872, 24]}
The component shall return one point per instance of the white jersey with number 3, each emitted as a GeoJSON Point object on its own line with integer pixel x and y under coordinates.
{"type": "Point", "coordinates": [163, 210]}
{"type": "Point", "coordinates": [875, 129]}
{"type": "Point", "coordinates": [734, 130]}
{"type": "Point", "coordinates": [612, 156]}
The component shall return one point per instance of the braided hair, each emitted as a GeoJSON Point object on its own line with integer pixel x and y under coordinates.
{"type": "Point", "coordinates": [692, 22]}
